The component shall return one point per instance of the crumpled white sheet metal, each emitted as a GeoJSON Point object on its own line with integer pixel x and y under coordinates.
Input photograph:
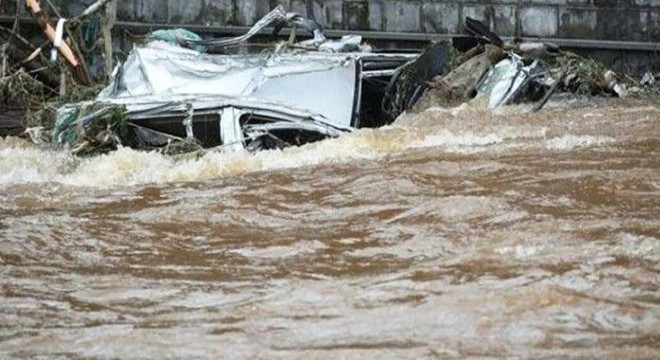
{"type": "Point", "coordinates": [276, 14]}
{"type": "Point", "coordinates": [230, 129]}
{"type": "Point", "coordinates": [504, 80]}
{"type": "Point", "coordinates": [321, 82]}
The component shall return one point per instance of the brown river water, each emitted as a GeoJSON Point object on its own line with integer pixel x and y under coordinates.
{"type": "Point", "coordinates": [450, 234]}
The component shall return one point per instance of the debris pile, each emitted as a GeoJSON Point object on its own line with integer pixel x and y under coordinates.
{"type": "Point", "coordinates": [518, 72]}
{"type": "Point", "coordinates": [177, 92]}
{"type": "Point", "coordinates": [45, 68]}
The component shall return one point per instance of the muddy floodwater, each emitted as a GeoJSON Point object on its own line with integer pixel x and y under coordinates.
{"type": "Point", "coordinates": [450, 234]}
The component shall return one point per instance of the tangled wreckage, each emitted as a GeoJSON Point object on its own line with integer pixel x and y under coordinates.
{"type": "Point", "coordinates": [177, 88]}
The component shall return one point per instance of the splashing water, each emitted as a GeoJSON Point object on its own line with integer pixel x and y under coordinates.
{"type": "Point", "coordinates": [457, 130]}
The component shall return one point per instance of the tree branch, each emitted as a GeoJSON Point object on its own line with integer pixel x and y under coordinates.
{"type": "Point", "coordinates": [17, 36]}
{"type": "Point", "coordinates": [91, 10]}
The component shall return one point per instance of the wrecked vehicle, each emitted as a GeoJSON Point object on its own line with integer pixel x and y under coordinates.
{"type": "Point", "coordinates": [170, 92]}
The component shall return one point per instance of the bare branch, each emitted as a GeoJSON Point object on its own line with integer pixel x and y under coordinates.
{"type": "Point", "coordinates": [14, 28]}
{"type": "Point", "coordinates": [17, 36]}
{"type": "Point", "coordinates": [91, 10]}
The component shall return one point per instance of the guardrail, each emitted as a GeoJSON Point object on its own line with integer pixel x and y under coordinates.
{"type": "Point", "coordinates": [377, 35]}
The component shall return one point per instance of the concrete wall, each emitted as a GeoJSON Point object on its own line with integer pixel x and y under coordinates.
{"type": "Point", "coordinates": [634, 20]}
{"type": "Point", "coordinates": [626, 20]}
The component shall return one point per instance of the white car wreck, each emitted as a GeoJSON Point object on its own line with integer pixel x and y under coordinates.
{"type": "Point", "coordinates": [288, 94]}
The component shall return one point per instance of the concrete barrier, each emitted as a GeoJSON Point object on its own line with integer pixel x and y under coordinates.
{"type": "Point", "coordinates": [629, 20]}
{"type": "Point", "coordinates": [623, 20]}
{"type": "Point", "coordinates": [581, 22]}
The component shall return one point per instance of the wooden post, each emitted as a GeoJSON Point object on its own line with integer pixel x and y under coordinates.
{"type": "Point", "coordinates": [3, 54]}
{"type": "Point", "coordinates": [107, 23]}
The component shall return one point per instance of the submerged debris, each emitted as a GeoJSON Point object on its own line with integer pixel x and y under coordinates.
{"type": "Point", "coordinates": [179, 93]}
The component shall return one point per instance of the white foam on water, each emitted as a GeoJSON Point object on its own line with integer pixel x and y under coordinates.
{"type": "Point", "coordinates": [467, 128]}
{"type": "Point", "coordinates": [570, 142]}
{"type": "Point", "coordinates": [280, 252]}
{"type": "Point", "coordinates": [126, 167]}
{"type": "Point", "coordinates": [457, 141]}
{"type": "Point", "coordinates": [438, 128]}
{"type": "Point", "coordinates": [22, 164]}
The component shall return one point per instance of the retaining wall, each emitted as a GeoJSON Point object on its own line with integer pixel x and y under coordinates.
{"type": "Point", "coordinates": [618, 20]}
{"type": "Point", "coordinates": [631, 20]}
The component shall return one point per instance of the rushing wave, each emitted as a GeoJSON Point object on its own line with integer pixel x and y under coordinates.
{"type": "Point", "coordinates": [463, 129]}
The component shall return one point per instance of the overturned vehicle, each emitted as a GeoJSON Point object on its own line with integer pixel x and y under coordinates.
{"type": "Point", "coordinates": [177, 92]}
